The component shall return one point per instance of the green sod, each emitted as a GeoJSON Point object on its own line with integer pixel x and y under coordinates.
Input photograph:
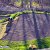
{"type": "Point", "coordinates": [19, 13]}
{"type": "Point", "coordinates": [19, 45]}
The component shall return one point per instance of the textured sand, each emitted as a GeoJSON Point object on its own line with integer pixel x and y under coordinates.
{"type": "Point", "coordinates": [2, 29]}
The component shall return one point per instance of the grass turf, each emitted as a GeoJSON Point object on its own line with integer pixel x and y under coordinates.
{"type": "Point", "coordinates": [19, 13]}
{"type": "Point", "coordinates": [20, 45]}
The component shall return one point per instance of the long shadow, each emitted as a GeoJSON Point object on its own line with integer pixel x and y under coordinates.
{"type": "Point", "coordinates": [28, 19]}
{"type": "Point", "coordinates": [30, 23]}
{"type": "Point", "coordinates": [36, 31]}
{"type": "Point", "coordinates": [41, 28]}
{"type": "Point", "coordinates": [24, 32]}
{"type": "Point", "coordinates": [14, 27]}
{"type": "Point", "coordinates": [47, 17]}
{"type": "Point", "coordinates": [39, 41]}
{"type": "Point", "coordinates": [43, 34]}
{"type": "Point", "coordinates": [42, 41]}
{"type": "Point", "coordinates": [10, 25]}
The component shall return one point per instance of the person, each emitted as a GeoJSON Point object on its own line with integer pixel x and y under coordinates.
{"type": "Point", "coordinates": [32, 47]}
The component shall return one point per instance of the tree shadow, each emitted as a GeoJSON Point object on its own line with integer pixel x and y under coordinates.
{"type": "Point", "coordinates": [40, 41]}
{"type": "Point", "coordinates": [43, 33]}
{"type": "Point", "coordinates": [30, 23]}
{"type": "Point", "coordinates": [47, 17]}
{"type": "Point", "coordinates": [24, 31]}
{"type": "Point", "coordinates": [41, 27]}
{"type": "Point", "coordinates": [12, 33]}
{"type": "Point", "coordinates": [9, 31]}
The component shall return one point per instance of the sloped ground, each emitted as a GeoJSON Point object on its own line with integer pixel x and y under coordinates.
{"type": "Point", "coordinates": [3, 28]}
{"type": "Point", "coordinates": [24, 29]}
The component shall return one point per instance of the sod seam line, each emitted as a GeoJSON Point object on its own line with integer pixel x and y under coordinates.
{"type": "Point", "coordinates": [19, 13]}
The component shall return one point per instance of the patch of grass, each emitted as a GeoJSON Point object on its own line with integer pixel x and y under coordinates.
{"type": "Point", "coordinates": [18, 4]}
{"type": "Point", "coordinates": [47, 41]}
{"type": "Point", "coordinates": [19, 13]}
{"type": "Point", "coordinates": [6, 49]}
{"type": "Point", "coordinates": [3, 43]}
{"type": "Point", "coordinates": [19, 45]}
{"type": "Point", "coordinates": [3, 20]}
{"type": "Point", "coordinates": [35, 4]}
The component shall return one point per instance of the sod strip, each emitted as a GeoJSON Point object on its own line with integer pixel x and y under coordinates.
{"type": "Point", "coordinates": [19, 13]}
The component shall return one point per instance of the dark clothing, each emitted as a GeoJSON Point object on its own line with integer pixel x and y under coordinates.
{"type": "Point", "coordinates": [30, 48]}
{"type": "Point", "coordinates": [34, 49]}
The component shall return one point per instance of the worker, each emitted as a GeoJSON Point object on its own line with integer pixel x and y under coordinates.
{"type": "Point", "coordinates": [32, 47]}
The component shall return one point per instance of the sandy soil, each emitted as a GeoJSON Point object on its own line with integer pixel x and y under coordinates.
{"type": "Point", "coordinates": [2, 29]}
